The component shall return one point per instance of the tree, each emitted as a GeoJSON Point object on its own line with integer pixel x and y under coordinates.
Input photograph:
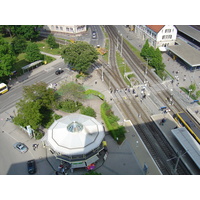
{"type": "Point", "coordinates": [40, 93]}
{"type": "Point", "coordinates": [51, 41]}
{"type": "Point", "coordinates": [7, 30]}
{"type": "Point", "coordinates": [29, 32]}
{"type": "Point", "coordinates": [35, 108]}
{"type": "Point", "coordinates": [192, 87]}
{"type": "Point", "coordinates": [19, 44]}
{"type": "Point", "coordinates": [33, 53]}
{"type": "Point", "coordinates": [154, 57]}
{"type": "Point", "coordinates": [145, 50]}
{"type": "Point", "coordinates": [197, 94]}
{"type": "Point", "coordinates": [80, 55]}
{"type": "Point", "coordinates": [28, 114]}
{"type": "Point", "coordinates": [72, 91]}
{"type": "Point", "coordinates": [7, 58]}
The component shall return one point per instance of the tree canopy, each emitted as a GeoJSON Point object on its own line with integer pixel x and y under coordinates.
{"type": "Point", "coordinates": [39, 92]}
{"type": "Point", "coordinates": [33, 53]}
{"type": "Point", "coordinates": [38, 100]}
{"type": "Point", "coordinates": [19, 44]}
{"type": "Point", "coordinates": [7, 58]}
{"type": "Point", "coordinates": [28, 114]}
{"type": "Point", "coordinates": [154, 57]}
{"type": "Point", "coordinates": [51, 41]}
{"type": "Point", "coordinates": [29, 32]}
{"type": "Point", "coordinates": [80, 55]}
{"type": "Point", "coordinates": [72, 91]}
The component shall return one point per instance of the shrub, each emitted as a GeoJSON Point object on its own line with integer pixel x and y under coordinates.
{"type": "Point", "coordinates": [38, 135]}
{"type": "Point", "coordinates": [70, 106]}
{"type": "Point", "coordinates": [88, 111]}
{"type": "Point", "coordinates": [116, 131]}
{"type": "Point", "coordinates": [95, 93]}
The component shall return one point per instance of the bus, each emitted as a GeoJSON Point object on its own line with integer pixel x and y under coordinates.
{"type": "Point", "coordinates": [3, 88]}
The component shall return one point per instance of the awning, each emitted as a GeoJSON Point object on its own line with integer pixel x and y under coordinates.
{"type": "Point", "coordinates": [32, 64]}
{"type": "Point", "coordinates": [91, 160]}
{"type": "Point", "coordinates": [163, 49]}
{"type": "Point", "coordinates": [78, 165]}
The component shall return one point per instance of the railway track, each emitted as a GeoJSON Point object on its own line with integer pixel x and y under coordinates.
{"type": "Point", "coordinates": [156, 143]}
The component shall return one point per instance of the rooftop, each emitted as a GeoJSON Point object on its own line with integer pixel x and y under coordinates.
{"type": "Point", "coordinates": [186, 52]}
{"type": "Point", "coordinates": [155, 28]}
{"type": "Point", "coordinates": [189, 144]}
{"type": "Point", "coordinates": [75, 134]}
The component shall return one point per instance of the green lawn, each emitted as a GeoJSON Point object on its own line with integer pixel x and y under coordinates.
{"type": "Point", "coordinates": [43, 46]}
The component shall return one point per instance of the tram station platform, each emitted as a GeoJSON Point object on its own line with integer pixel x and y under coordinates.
{"type": "Point", "coordinates": [194, 112]}
{"type": "Point", "coordinates": [166, 128]}
{"type": "Point", "coordinates": [140, 151]}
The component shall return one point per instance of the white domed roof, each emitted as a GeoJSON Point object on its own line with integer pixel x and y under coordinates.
{"type": "Point", "coordinates": [75, 134]}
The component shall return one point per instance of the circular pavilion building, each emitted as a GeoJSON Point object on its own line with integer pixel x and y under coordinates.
{"type": "Point", "coordinates": [76, 139]}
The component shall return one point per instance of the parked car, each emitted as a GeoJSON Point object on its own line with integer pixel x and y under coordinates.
{"type": "Point", "coordinates": [59, 71]}
{"type": "Point", "coordinates": [20, 147]}
{"type": "Point", "coordinates": [31, 166]}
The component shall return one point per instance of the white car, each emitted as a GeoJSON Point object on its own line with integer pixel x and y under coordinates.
{"type": "Point", "coordinates": [20, 147]}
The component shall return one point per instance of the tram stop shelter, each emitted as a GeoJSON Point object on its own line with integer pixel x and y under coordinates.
{"type": "Point", "coordinates": [32, 65]}
{"type": "Point", "coordinates": [76, 139]}
{"type": "Point", "coordinates": [190, 145]}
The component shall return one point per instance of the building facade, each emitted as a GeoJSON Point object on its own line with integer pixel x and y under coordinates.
{"type": "Point", "coordinates": [65, 29]}
{"type": "Point", "coordinates": [157, 35]}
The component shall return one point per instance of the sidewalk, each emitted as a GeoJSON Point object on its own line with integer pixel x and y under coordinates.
{"type": "Point", "coordinates": [35, 71]}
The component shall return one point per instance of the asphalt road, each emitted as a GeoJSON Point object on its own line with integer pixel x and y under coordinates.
{"type": "Point", "coordinates": [10, 98]}
{"type": "Point", "coordinates": [12, 161]}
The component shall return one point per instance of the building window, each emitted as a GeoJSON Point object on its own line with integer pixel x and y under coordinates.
{"type": "Point", "coordinates": [166, 37]}
{"type": "Point", "coordinates": [61, 28]}
{"type": "Point", "coordinates": [167, 30]}
{"type": "Point", "coordinates": [56, 27]}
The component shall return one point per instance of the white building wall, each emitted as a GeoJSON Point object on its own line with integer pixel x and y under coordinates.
{"type": "Point", "coordinates": [165, 37]}
{"type": "Point", "coordinates": [73, 29]}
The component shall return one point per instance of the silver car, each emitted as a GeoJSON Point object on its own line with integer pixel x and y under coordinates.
{"type": "Point", "coordinates": [20, 147]}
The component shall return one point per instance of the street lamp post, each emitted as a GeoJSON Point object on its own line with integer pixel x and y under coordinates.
{"type": "Point", "coordinates": [102, 74]}
{"type": "Point", "coordinates": [190, 90]}
{"type": "Point", "coordinates": [121, 43]}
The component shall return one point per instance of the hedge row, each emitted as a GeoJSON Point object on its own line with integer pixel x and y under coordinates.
{"type": "Point", "coordinates": [111, 122]}
{"type": "Point", "coordinates": [96, 93]}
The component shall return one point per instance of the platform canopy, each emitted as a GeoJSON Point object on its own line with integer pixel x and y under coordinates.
{"type": "Point", "coordinates": [187, 53]}
{"type": "Point", "coordinates": [75, 134]}
{"type": "Point", "coordinates": [191, 146]}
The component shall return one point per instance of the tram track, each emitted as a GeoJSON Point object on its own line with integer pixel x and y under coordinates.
{"type": "Point", "coordinates": [156, 143]}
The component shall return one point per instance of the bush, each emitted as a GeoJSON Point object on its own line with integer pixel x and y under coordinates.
{"type": "Point", "coordinates": [52, 119]}
{"type": "Point", "coordinates": [88, 111]}
{"type": "Point", "coordinates": [116, 131]}
{"type": "Point", "coordinates": [70, 106]}
{"type": "Point", "coordinates": [95, 93]}
{"type": "Point", "coordinates": [38, 135]}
